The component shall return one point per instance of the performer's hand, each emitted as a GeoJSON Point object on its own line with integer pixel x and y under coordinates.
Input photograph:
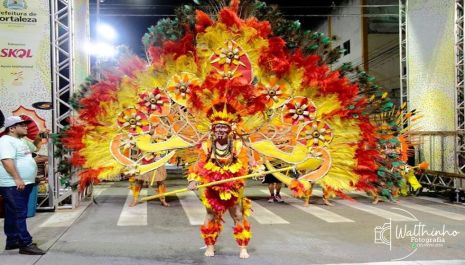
{"type": "Point", "coordinates": [259, 169]}
{"type": "Point", "coordinates": [19, 184]}
{"type": "Point", "coordinates": [192, 185]}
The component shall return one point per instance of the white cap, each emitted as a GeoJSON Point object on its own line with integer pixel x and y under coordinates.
{"type": "Point", "coordinates": [13, 120]}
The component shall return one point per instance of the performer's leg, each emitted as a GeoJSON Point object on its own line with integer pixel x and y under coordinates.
{"type": "Point", "coordinates": [241, 230]}
{"type": "Point", "coordinates": [135, 187]}
{"type": "Point", "coordinates": [307, 195]}
{"type": "Point", "coordinates": [374, 195]}
{"type": "Point", "coordinates": [271, 189]}
{"type": "Point", "coordinates": [131, 181]}
{"type": "Point", "coordinates": [278, 189]}
{"type": "Point", "coordinates": [210, 231]}
{"type": "Point", "coordinates": [326, 198]}
{"type": "Point", "coordinates": [161, 187]}
{"type": "Point", "coordinates": [395, 193]}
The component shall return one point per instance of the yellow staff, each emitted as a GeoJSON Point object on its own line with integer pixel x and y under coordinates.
{"type": "Point", "coordinates": [153, 197]}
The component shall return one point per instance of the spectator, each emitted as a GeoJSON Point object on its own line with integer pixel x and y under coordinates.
{"type": "Point", "coordinates": [17, 177]}
{"type": "Point", "coordinates": [274, 186]}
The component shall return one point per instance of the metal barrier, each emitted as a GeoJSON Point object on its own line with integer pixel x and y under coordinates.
{"type": "Point", "coordinates": [438, 148]}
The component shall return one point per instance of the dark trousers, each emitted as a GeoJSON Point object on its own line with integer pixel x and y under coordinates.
{"type": "Point", "coordinates": [16, 203]}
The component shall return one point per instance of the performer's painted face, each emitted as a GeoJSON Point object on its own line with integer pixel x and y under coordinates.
{"type": "Point", "coordinates": [221, 131]}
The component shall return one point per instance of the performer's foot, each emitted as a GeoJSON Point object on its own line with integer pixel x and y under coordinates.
{"type": "Point", "coordinates": [278, 198]}
{"type": "Point", "coordinates": [375, 201]}
{"type": "Point", "coordinates": [326, 201]}
{"type": "Point", "coordinates": [271, 199]}
{"type": "Point", "coordinates": [306, 203]}
{"type": "Point", "coordinates": [244, 254]}
{"type": "Point", "coordinates": [133, 203]}
{"type": "Point", "coordinates": [210, 252]}
{"type": "Point", "coordinates": [164, 203]}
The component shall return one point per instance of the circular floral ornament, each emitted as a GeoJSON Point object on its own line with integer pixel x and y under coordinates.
{"type": "Point", "coordinates": [155, 102]}
{"type": "Point", "coordinates": [128, 142]}
{"type": "Point", "coordinates": [180, 86]}
{"type": "Point", "coordinates": [276, 91]}
{"type": "Point", "coordinates": [227, 73]}
{"type": "Point", "coordinates": [131, 170]}
{"type": "Point", "coordinates": [134, 121]}
{"type": "Point", "coordinates": [231, 61]}
{"type": "Point", "coordinates": [316, 133]}
{"type": "Point", "coordinates": [299, 109]}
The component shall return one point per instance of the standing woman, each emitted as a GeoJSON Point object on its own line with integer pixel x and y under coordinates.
{"type": "Point", "coordinates": [274, 186]}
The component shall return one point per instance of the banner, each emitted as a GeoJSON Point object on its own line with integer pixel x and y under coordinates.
{"type": "Point", "coordinates": [431, 75]}
{"type": "Point", "coordinates": [25, 66]}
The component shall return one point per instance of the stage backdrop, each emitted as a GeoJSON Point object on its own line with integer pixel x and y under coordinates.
{"type": "Point", "coordinates": [431, 76]}
{"type": "Point", "coordinates": [25, 71]}
{"type": "Point", "coordinates": [81, 37]}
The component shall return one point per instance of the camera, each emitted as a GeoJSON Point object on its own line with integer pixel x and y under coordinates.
{"type": "Point", "coordinates": [43, 135]}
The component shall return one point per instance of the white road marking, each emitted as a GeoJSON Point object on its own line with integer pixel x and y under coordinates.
{"type": "Point", "coordinates": [65, 218]}
{"type": "Point", "coordinates": [376, 211]}
{"type": "Point", "coordinates": [403, 262]}
{"type": "Point", "coordinates": [316, 211]}
{"type": "Point", "coordinates": [265, 216]}
{"type": "Point", "coordinates": [133, 216]}
{"type": "Point", "coordinates": [193, 207]}
{"type": "Point", "coordinates": [371, 209]}
{"type": "Point", "coordinates": [433, 211]}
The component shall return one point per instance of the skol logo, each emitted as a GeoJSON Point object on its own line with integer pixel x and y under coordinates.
{"type": "Point", "coordinates": [16, 53]}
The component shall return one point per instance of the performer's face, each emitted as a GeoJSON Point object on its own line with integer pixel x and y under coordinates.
{"type": "Point", "coordinates": [221, 131]}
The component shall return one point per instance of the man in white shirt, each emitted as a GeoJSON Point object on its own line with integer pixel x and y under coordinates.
{"type": "Point", "coordinates": [17, 177]}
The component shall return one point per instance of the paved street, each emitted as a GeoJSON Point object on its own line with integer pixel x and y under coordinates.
{"type": "Point", "coordinates": [417, 231]}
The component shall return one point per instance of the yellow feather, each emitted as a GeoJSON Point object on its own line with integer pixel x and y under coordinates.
{"type": "Point", "coordinates": [326, 105]}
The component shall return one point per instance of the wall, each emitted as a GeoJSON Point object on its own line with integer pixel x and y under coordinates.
{"type": "Point", "coordinates": [383, 59]}
{"type": "Point", "coordinates": [348, 28]}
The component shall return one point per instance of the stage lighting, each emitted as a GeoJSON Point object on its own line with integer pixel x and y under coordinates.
{"type": "Point", "coordinates": [100, 49]}
{"type": "Point", "coordinates": [106, 32]}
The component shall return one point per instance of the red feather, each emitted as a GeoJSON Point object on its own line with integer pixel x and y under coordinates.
{"type": "Point", "coordinates": [72, 138]}
{"type": "Point", "coordinates": [202, 21]}
{"type": "Point", "coordinates": [275, 58]}
{"type": "Point", "coordinates": [234, 5]}
{"type": "Point", "coordinates": [181, 47]}
{"type": "Point", "coordinates": [263, 27]}
{"type": "Point", "coordinates": [130, 66]}
{"type": "Point", "coordinates": [155, 54]}
{"type": "Point", "coordinates": [77, 159]}
{"type": "Point", "coordinates": [229, 18]}
{"type": "Point", "coordinates": [89, 176]}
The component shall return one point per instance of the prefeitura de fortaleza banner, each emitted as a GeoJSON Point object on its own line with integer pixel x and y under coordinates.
{"type": "Point", "coordinates": [25, 65]}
